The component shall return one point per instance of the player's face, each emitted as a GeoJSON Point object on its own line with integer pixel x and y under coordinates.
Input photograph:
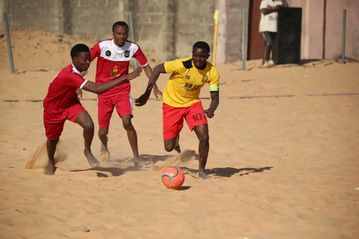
{"type": "Point", "coordinates": [120, 35]}
{"type": "Point", "coordinates": [199, 57]}
{"type": "Point", "coordinates": [82, 61]}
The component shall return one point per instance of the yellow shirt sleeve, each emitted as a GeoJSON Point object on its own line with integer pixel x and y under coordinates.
{"type": "Point", "coordinates": [214, 80]}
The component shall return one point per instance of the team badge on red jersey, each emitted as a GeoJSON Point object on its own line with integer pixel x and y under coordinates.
{"type": "Point", "coordinates": [127, 53]}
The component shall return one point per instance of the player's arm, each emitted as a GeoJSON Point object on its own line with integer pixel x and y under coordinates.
{"type": "Point", "coordinates": [148, 71]}
{"type": "Point", "coordinates": [151, 83]}
{"type": "Point", "coordinates": [100, 88]}
{"type": "Point", "coordinates": [270, 9]}
{"type": "Point", "coordinates": [214, 104]}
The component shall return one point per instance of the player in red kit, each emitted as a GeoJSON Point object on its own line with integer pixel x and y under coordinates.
{"type": "Point", "coordinates": [113, 59]}
{"type": "Point", "coordinates": [61, 103]}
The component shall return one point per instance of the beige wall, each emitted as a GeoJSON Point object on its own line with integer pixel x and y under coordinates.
{"type": "Point", "coordinates": [167, 28]}
{"type": "Point", "coordinates": [333, 36]}
{"type": "Point", "coordinates": [320, 27]}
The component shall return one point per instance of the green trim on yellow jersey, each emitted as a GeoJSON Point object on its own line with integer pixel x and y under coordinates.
{"type": "Point", "coordinates": [214, 87]}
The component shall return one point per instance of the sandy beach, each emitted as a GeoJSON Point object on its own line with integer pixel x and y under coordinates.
{"type": "Point", "coordinates": [283, 162]}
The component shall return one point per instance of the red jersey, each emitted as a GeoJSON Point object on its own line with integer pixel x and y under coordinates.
{"type": "Point", "coordinates": [113, 61]}
{"type": "Point", "coordinates": [62, 90]}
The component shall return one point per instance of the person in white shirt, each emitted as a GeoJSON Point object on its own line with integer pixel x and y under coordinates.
{"type": "Point", "coordinates": [268, 26]}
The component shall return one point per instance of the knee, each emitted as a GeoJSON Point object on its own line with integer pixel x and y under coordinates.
{"type": "Point", "coordinates": [203, 138]}
{"type": "Point", "coordinates": [169, 146]}
{"type": "Point", "coordinates": [102, 132]}
{"type": "Point", "coordinates": [127, 125]}
{"type": "Point", "coordinates": [89, 126]}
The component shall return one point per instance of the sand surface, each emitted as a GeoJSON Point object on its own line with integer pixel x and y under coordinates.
{"type": "Point", "coordinates": [283, 162]}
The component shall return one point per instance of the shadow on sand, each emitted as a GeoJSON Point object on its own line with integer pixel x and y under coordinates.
{"type": "Point", "coordinates": [229, 171]}
{"type": "Point", "coordinates": [116, 167]}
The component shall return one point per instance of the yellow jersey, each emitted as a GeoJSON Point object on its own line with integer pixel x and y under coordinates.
{"type": "Point", "coordinates": [184, 85]}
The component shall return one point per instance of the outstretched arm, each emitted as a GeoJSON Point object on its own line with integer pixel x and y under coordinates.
{"type": "Point", "coordinates": [151, 83]}
{"type": "Point", "coordinates": [148, 71]}
{"type": "Point", "coordinates": [100, 88]}
{"type": "Point", "coordinates": [214, 104]}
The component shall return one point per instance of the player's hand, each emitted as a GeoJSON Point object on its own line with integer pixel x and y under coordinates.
{"type": "Point", "coordinates": [142, 100]}
{"type": "Point", "coordinates": [157, 93]}
{"type": "Point", "coordinates": [209, 113]}
{"type": "Point", "coordinates": [79, 93]}
{"type": "Point", "coordinates": [134, 73]}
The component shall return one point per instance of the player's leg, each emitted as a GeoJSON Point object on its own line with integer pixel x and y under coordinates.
{"type": "Point", "coordinates": [203, 148]}
{"type": "Point", "coordinates": [51, 149]}
{"type": "Point", "coordinates": [197, 121]}
{"type": "Point", "coordinates": [105, 153]}
{"type": "Point", "coordinates": [172, 126]}
{"type": "Point", "coordinates": [104, 110]}
{"type": "Point", "coordinates": [272, 37]}
{"type": "Point", "coordinates": [267, 47]}
{"type": "Point", "coordinates": [131, 134]}
{"type": "Point", "coordinates": [85, 121]}
{"type": "Point", "coordinates": [124, 110]}
{"type": "Point", "coordinates": [172, 144]}
{"type": "Point", "coordinates": [177, 146]}
{"type": "Point", "coordinates": [54, 125]}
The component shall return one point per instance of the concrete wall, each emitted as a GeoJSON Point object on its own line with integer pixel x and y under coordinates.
{"type": "Point", "coordinates": [322, 28]}
{"type": "Point", "coordinates": [333, 34]}
{"type": "Point", "coordinates": [93, 18]}
{"type": "Point", "coordinates": [166, 29]}
{"type": "Point", "coordinates": [230, 30]}
{"type": "Point", "coordinates": [1, 9]}
{"type": "Point", "coordinates": [153, 24]}
{"type": "Point", "coordinates": [193, 22]}
{"type": "Point", "coordinates": [35, 14]}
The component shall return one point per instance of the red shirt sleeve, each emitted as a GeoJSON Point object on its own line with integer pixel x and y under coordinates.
{"type": "Point", "coordinates": [140, 57]}
{"type": "Point", "coordinates": [95, 51]}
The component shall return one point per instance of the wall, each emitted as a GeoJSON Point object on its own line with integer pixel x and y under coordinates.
{"type": "Point", "coordinates": [230, 30]}
{"type": "Point", "coordinates": [153, 24]}
{"type": "Point", "coordinates": [166, 29]}
{"type": "Point", "coordinates": [322, 28]}
{"type": "Point", "coordinates": [1, 10]}
{"type": "Point", "coordinates": [333, 34]}
{"type": "Point", "coordinates": [193, 22]}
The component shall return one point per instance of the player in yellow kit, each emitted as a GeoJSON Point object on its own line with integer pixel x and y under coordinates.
{"type": "Point", "coordinates": [181, 99]}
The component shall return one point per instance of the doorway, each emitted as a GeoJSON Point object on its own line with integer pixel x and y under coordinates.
{"type": "Point", "coordinates": [255, 39]}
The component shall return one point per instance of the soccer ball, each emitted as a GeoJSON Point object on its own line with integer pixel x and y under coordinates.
{"type": "Point", "coordinates": [172, 177]}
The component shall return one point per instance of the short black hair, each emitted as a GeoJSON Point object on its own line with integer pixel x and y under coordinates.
{"type": "Point", "coordinates": [201, 45]}
{"type": "Point", "coordinates": [76, 49]}
{"type": "Point", "coordinates": [119, 23]}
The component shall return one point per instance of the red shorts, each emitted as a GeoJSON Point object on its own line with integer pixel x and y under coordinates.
{"type": "Point", "coordinates": [54, 123]}
{"type": "Point", "coordinates": [123, 103]}
{"type": "Point", "coordinates": [173, 119]}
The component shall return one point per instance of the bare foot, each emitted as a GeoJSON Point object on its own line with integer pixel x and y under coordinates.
{"type": "Point", "coordinates": [137, 161]}
{"type": "Point", "coordinates": [202, 174]}
{"type": "Point", "coordinates": [91, 159]}
{"type": "Point", "coordinates": [105, 154]}
{"type": "Point", "coordinates": [50, 169]}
